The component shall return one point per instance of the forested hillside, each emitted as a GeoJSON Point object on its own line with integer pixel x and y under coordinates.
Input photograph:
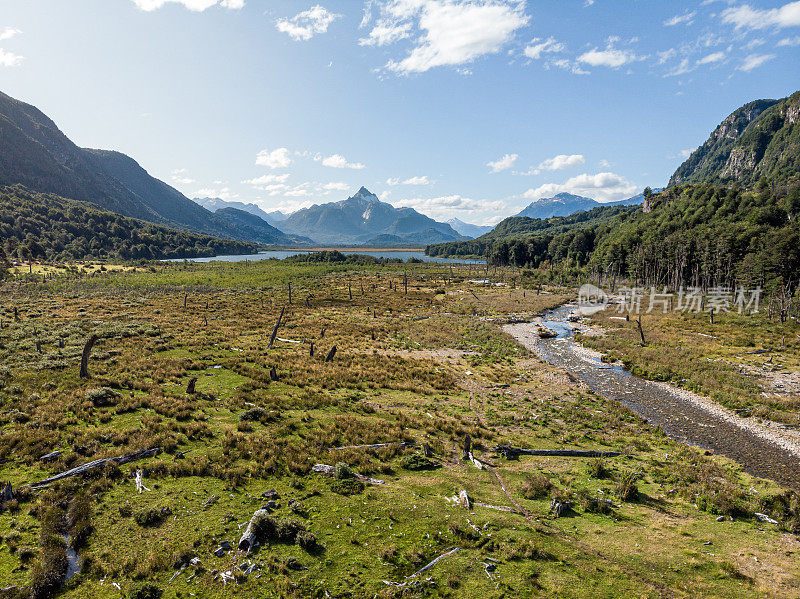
{"type": "Point", "coordinates": [36, 226]}
{"type": "Point", "coordinates": [760, 140]}
{"type": "Point", "coordinates": [515, 228]}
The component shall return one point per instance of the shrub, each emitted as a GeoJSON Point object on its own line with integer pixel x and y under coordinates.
{"type": "Point", "coordinates": [104, 396]}
{"type": "Point", "coordinates": [627, 490]}
{"type": "Point", "coordinates": [151, 516]}
{"type": "Point", "coordinates": [145, 590]}
{"type": "Point", "coordinates": [597, 468]}
{"type": "Point", "coordinates": [306, 540]}
{"type": "Point", "coordinates": [253, 414]}
{"type": "Point", "coordinates": [349, 486]}
{"type": "Point", "coordinates": [535, 486]}
{"type": "Point", "coordinates": [418, 462]}
{"type": "Point", "coordinates": [342, 471]}
{"type": "Point", "coordinates": [287, 530]}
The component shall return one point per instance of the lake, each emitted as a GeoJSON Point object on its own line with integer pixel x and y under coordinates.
{"type": "Point", "coordinates": [281, 254]}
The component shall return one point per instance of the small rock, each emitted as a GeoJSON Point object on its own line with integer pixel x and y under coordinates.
{"type": "Point", "coordinates": [195, 561]}
{"type": "Point", "coordinates": [271, 494]}
{"type": "Point", "coordinates": [225, 545]}
{"type": "Point", "coordinates": [219, 551]}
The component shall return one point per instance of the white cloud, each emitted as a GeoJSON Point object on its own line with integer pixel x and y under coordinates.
{"type": "Point", "coordinates": [537, 47]}
{"type": "Point", "coordinates": [788, 42]}
{"type": "Point", "coordinates": [385, 33]}
{"type": "Point", "coordinates": [605, 163]}
{"type": "Point", "coordinates": [279, 158]}
{"type": "Point", "coordinates": [9, 59]}
{"type": "Point", "coordinates": [305, 25]}
{"type": "Point", "coordinates": [745, 16]}
{"type": "Point", "coordinates": [267, 180]}
{"type": "Point", "coordinates": [210, 192]}
{"type": "Point", "coordinates": [715, 57]}
{"type": "Point", "coordinates": [338, 161]}
{"type": "Point", "coordinates": [450, 33]}
{"type": "Point", "coordinates": [506, 162]}
{"type": "Point", "coordinates": [195, 5]}
{"type": "Point", "coordinates": [562, 161]}
{"type": "Point", "coordinates": [686, 19]}
{"type": "Point", "coordinates": [610, 57]}
{"type": "Point", "coordinates": [179, 176]}
{"type": "Point", "coordinates": [446, 206]}
{"type": "Point", "coordinates": [8, 33]}
{"type": "Point", "coordinates": [603, 187]}
{"type": "Point", "coordinates": [572, 67]}
{"type": "Point", "coordinates": [336, 186]}
{"type": "Point", "coordinates": [686, 153]}
{"type": "Point", "coordinates": [753, 61]}
{"type": "Point", "coordinates": [412, 181]}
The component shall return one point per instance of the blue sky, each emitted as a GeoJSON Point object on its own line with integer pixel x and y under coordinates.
{"type": "Point", "coordinates": [465, 108]}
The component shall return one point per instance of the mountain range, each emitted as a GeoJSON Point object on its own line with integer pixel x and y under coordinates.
{"type": "Point", "coordinates": [564, 204]}
{"type": "Point", "coordinates": [760, 140]}
{"type": "Point", "coordinates": [468, 229]}
{"type": "Point", "coordinates": [215, 204]}
{"type": "Point", "coordinates": [36, 154]}
{"type": "Point", "coordinates": [363, 219]}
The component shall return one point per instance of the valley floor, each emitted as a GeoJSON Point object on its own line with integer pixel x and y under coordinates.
{"type": "Point", "coordinates": [426, 366]}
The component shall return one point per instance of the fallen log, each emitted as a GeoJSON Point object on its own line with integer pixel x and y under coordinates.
{"type": "Point", "coordinates": [432, 563]}
{"type": "Point", "coordinates": [374, 446]}
{"type": "Point", "coordinates": [119, 460]}
{"type": "Point", "coordinates": [511, 453]}
{"type": "Point", "coordinates": [328, 470]}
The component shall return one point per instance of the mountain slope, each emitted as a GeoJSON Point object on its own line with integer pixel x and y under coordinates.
{"type": "Point", "coordinates": [45, 226]}
{"type": "Point", "coordinates": [256, 228]}
{"type": "Point", "coordinates": [36, 154]}
{"type": "Point", "coordinates": [468, 229]}
{"type": "Point", "coordinates": [363, 217]}
{"type": "Point", "coordinates": [759, 140]}
{"type": "Point", "coordinates": [214, 204]}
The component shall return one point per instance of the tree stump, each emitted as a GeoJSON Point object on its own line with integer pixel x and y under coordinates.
{"type": "Point", "coordinates": [331, 353]}
{"type": "Point", "coordinates": [87, 350]}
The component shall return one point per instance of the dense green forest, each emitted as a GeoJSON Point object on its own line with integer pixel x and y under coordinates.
{"type": "Point", "coordinates": [698, 235]}
{"type": "Point", "coordinates": [518, 227]}
{"type": "Point", "coordinates": [36, 226]}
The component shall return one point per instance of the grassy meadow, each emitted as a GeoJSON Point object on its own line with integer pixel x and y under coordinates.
{"type": "Point", "coordinates": [420, 361]}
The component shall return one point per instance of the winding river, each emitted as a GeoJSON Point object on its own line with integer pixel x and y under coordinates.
{"type": "Point", "coordinates": [762, 449]}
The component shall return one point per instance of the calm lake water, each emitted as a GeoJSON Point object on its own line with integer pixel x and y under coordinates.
{"type": "Point", "coordinates": [281, 254]}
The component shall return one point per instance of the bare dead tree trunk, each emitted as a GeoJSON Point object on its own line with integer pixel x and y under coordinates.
{"type": "Point", "coordinates": [308, 301]}
{"type": "Point", "coordinates": [467, 447]}
{"type": "Point", "coordinates": [275, 330]}
{"type": "Point", "coordinates": [290, 294]}
{"type": "Point", "coordinates": [273, 375]}
{"type": "Point", "coordinates": [329, 357]}
{"type": "Point", "coordinates": [16, 314]}
{"type": "Point", "coordinates": [322, 333]}
{"type": "Point", "coordinates": [87, 350]}
{"type": "Point", "coordinates": [405, 283]}
{"type": "Point", "coordinates": [185, 298]}
{"type": "Point", "coordinates": [311, 351]}
{"type": "Point", "coordinates": [641, 331]}
{"type": "Point", "coordinates": [349, 291]}
{"type": "Point", "coordinates": [190, 387]}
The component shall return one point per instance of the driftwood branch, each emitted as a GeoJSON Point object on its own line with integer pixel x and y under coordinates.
{"type": "Point", "coordinates": [119, 460]}
{"type": "Point", "coordinates": [514, 452]}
